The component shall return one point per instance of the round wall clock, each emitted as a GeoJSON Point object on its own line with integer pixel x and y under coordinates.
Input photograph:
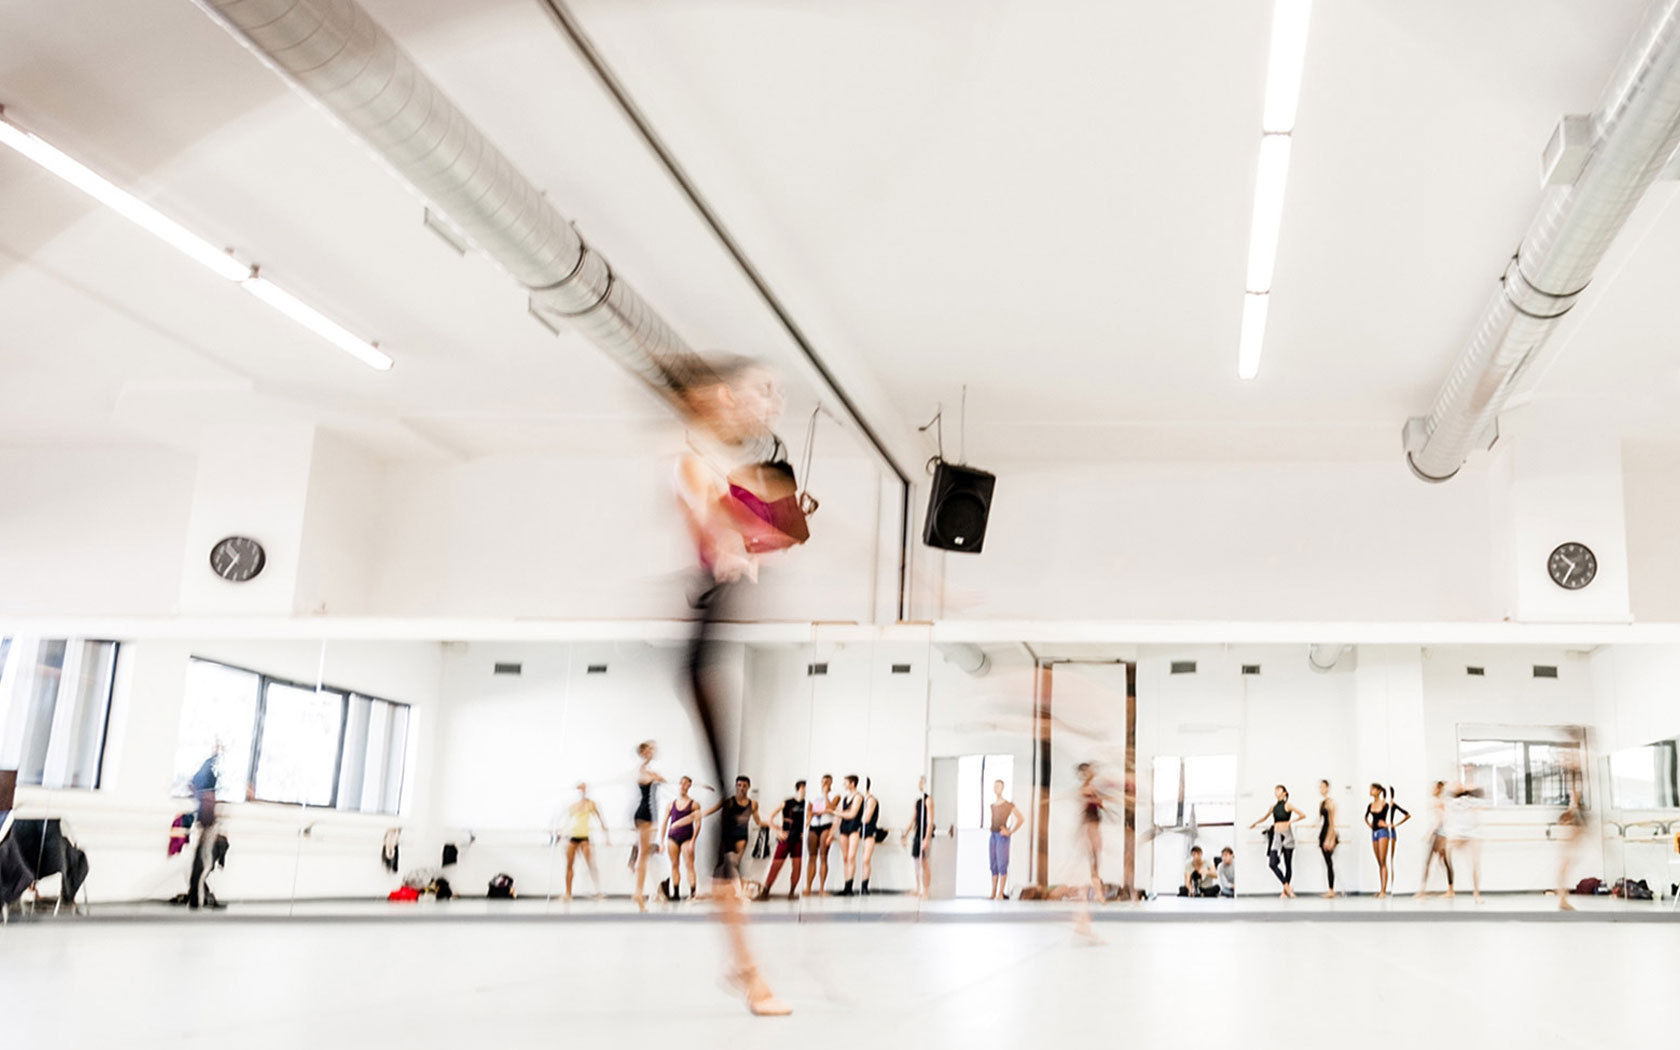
{"type": "Point", "coordinates": [1572, 566]}
{"type": "Point", "coordinates": [237, 558]}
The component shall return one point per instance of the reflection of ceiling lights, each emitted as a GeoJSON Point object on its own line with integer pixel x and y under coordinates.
{"type": "Point", "coordinates": [1277, 123]}
{"type": "Point", "coordinates": [222, 263]}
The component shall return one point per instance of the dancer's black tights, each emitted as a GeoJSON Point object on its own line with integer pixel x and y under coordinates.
{"type": "Point", "coordinates": [708, 706]}
{"type": "Point", "coordinates": [1329, 866]}
{"type": "Point", "coordinates": [1285, 874]}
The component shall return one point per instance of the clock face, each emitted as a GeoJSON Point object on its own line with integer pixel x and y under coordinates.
{"type": "Point", "coordinates": [237, 558]}
{"type": "Point", "coordinates": [1572, 566]}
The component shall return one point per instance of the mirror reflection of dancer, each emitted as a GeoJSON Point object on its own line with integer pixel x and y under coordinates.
{"type": "Point", "coordinates": [1380, 818]}
{"type": "Point", "coordinates": [729, 482]}
{"type": "Point", "coordinates": [1570, 824]}
{"type": "Point", "coordinates": [851, 830]}
{"type": "Point", "coordinates": [820, 839]}
{"type": "Point", "coordinates": [578, 818]}
{"type": "Point", "coordinates": [1093, 803]}
{"type": "Point", "coordinates": [1327, 839]}
{"type": "Point", "coordinates": [1006, 821]}
{"type": "Point", "coordinates": [646, 783]}
{"type": "Point", "coordinates": [740, 813]}
{"type": "Point", "coordinates": [682, 827]}
{"type": "Point", "coordinates": [872, 836]}
{"type": "Point", "coordinates": [204, 785]}
{"type": "Point", "coordinates": [919, 837]}
{"type": "Point", "coordinates": [1280, 838]}
{"type": "Point", "coordinates": [789, 821]}
{"type": "Point", "coordinates": [1437, 839]}
{"type": "Point", "coordinates": [1461, 827]}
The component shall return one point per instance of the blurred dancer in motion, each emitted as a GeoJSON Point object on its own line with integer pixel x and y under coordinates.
{"type": "Point", "coordinates": [1327, 836]}
{"type": "Point", "coordinates": [1006, 821]}
{"type": "Point", "coordinates": [578, 818]}
{"type": "Point", "coordinates": [1570, 824]}
{"type": "Point", "coordinates": [1093, 803]}
{"type": "Point", "coordinates": [1383, 817]}
{"type": "Point", "coordinates": [1280, 838]}
{"type": "Point", "coordinates": [1461, 826]}
{"type": "Point", "coordinates": [682, 827]}
{"type": "Point", "coordinates": [1437, 848]}
{"type": "Point", "coordinates": [738, 499]}
{"type": "Point", "coordinates": [821, 836]}
{"type": "Point", "coordinates": [647, 782]}
{"type": "Point", "coordinates": [204, 785]}
{"type": "Point", "coordinates": [789, 821]}
{"type": "Point", "coordinates": [919, 837]}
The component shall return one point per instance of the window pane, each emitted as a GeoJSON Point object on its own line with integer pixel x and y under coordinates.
{"type": "Point", "coordinates": [356, 768]}
{"type": "Point", "coordinates": [91, 692]}
{"type": "Point", "coordinates": [396, 760]}
{"type": "Point", "coordinates": [1165, 791]}
{"type": "Point", "coordinates": [299, 751]}
{"type": "Point", "coordinates": [1210, 788]}
{"type": "Point", "coordinates": [37, 691]}
{"type": "Point", "coordinates": [973, 796]}
{"type": "Point", "coordinates": [1552, 769]}
{"type": "Point", "coordinates": [220, 708]}
{"type": "Point", "coordinates": [1496, 767]}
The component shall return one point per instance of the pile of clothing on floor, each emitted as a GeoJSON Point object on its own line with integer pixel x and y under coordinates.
{"type": "Point", "coordinates": [423, 882]}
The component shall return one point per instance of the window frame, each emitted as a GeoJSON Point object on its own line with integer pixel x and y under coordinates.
{"type": "Point", "coordinates": [260, 717]}
{"type": "Point", "coordinates": [64, 717]}
{"type": "Point", "coordinates": [1524, 740]}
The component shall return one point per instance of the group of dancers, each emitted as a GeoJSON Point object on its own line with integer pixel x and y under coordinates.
{"type": "Point", "coordinates": [1454, 819]}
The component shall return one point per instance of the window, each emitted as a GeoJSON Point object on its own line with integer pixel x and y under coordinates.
{"type": "Point", "coordinates": [1645, 777]}
{"type": "Point", "coordinates": [285, 742]}
{"type": "Point", "coordinates": [1535, 767]}
{"type": "Point", "coordinates": [55, 700]}
{"type": "Point", "coordinates": [1198, 789]}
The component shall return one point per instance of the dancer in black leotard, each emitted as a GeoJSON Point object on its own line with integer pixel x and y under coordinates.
{"type": "Point", "coordinates": [682, 827]}
{"type": "Point", "coordinates": [1280, 838]}
{"type": "Point", "coordinates": [1383, 817]}
{"type": "Point", "coordinates": [1327, 839]}
{"type": "Point", "coordinates": [646, 783]}
{"type": "Point", "coordinates": [851, 830]}
{"type": "Point", "coordinates": [789, 821]}
{"type": "Point", "coordinates": [872, 836]}
{"type": "Point", "coordinates": [919, 837]}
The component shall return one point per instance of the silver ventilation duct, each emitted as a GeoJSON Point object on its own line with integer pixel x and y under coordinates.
{"type": "Point", "coordinates": [1636, 128]}
{"type": "Point", "coordinates": [966, 657]}
{"type": "Point", "coordinates": [334, 52]}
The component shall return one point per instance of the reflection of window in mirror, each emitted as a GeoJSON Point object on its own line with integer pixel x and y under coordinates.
{"type": "Point", "coordinates": [975, 774]}
{"type": "Point", "coordinates": [1522, 766]}
{"type": "Point", "coordinates": [55, 697]}
{"type": "Point", "coordinates": [1645, 777]}
{"type": "Point", "coordinates": [1199, 789]}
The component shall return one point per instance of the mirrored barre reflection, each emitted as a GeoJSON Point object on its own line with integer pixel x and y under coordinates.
{"type": "Point", "coordinates": [864, 773]}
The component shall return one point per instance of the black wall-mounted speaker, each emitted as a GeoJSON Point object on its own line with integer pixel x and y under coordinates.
{"type": "Point", "coordinates": [958, 507]}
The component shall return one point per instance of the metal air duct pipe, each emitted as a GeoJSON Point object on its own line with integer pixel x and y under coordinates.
{"type": "Point", "coordinates": [1634, 132]}
{"type": "Point", "coordinates": [334, 52]}
{"type": "Point", "coordinates": [966, 657]}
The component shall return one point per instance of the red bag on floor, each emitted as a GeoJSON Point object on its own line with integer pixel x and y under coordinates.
{"type": "Point", "coordinates": [404, 893]}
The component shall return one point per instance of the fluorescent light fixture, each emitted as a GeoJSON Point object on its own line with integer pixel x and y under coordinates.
{"type": "Point", "coordinates": [222, 263]}
{"type": "Point", "coordinates": [1283, 64]}
{"type": "Point", "coordinates": [1269, 185]}
{"type": "Point", "coordinates": [124, 203]}
{"type": "Point", "coordinates": [312, 319]}
{"type": "Point", "coordinates": [1255, 306]}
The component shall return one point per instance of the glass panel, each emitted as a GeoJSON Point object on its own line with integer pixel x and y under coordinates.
{"type": "Point", "coordinates": [218, 717]}
{"type": "Point", "coordinates": [298, 751]}
{"type": "Point", "coordinates": [1496, 767]}
{"type": "Point", "coordinates": [92, 693]}
{"type": "Point", "coordinates": [39, 694]}
{"type": "Point", "coordinates": [1165, 791]}
{"type": "Point", "coordinates": [1551, 772]}
{"type": "Point", "coordinates": [1210, 789]}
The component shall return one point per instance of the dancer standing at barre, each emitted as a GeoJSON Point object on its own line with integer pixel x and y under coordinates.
{"type": "Point", "coordinates": [919, 837]}
{"type": "Point", "coordinates": [1383, 817]}
{"type": "Point", "coordinates": [820, 839]}
{"type": "Point", "coordinates": [682, 827]}
{"type": "Point", "coordinates": [1437, 848]}
{"type": "Point", "coordinates": [647, 782]}
{"type": "Point", "coordinates": [1280, 838]}
{"type": "Point", "coordinates": [1327, 839]}
{"type": "Point", "coordinates": [578, 819]}
{"type": "Point", "coordinates": [851, 830]}
{"type": "Point", "coordinates": [789, 821]}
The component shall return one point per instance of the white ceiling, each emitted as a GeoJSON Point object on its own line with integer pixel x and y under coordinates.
{"type": "Point", "coordinates": [1047, 201]}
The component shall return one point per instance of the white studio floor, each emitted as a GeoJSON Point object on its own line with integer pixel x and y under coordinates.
{"type": "Point", "coordinates": [1504, 980]}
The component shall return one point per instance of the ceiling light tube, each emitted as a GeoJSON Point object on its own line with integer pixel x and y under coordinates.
{"type": "Point", "coordinates": [1284, 63]}
{"type": "Point", "coordinates": [130, 207]}
{"type": "Point", "coordinates": [1255, 306]}
{"type": "Point", "coordinates": [307, 316]}
{"type": "Point", "coordinates": [1271, 180]}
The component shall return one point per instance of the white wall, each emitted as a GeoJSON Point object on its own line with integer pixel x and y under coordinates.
{"type": "Point", "coordinates": [1247, 542]}
{"type": "Point", "coordinates": [124, 825]}
{"type": "Point", "coordinates": [95, 531]}
{"type": "Point", "coordinates": [1651, 489]}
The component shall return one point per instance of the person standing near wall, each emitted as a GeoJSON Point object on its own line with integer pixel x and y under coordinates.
{"type": "Point", "coordinates": [851, 830]}
{"type": "Point", "coordinates": [1383, 817]}
{"type": "Point", "coordinates": [578, 819]}
{"type": "Point", "coordinates": [873, 834]}
{"type": "Point", "coordinates": [1006, 821]}
{"type": "Point", "coordinates": [1327, 839]}
{"type": "Point", "coordinates": [204, 785]}
{"type": "Point", "coordinates": [1280, 838]}
{"type": "Point", "coordinates": [919, 837]}
{"type": "Point", "coordinates": [820, 839]}
{"type": "Point", "coordinates": [740, 813]}
{"type": "Point", "coordinates": [682, 827]}
{"type": "Point", "coordinates": [789, 821]}
{"type": "Point", "coordinates": [647, 786]}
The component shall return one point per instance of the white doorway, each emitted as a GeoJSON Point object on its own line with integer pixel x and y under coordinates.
{"type": "Point", "coordinates": [962, 787]}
